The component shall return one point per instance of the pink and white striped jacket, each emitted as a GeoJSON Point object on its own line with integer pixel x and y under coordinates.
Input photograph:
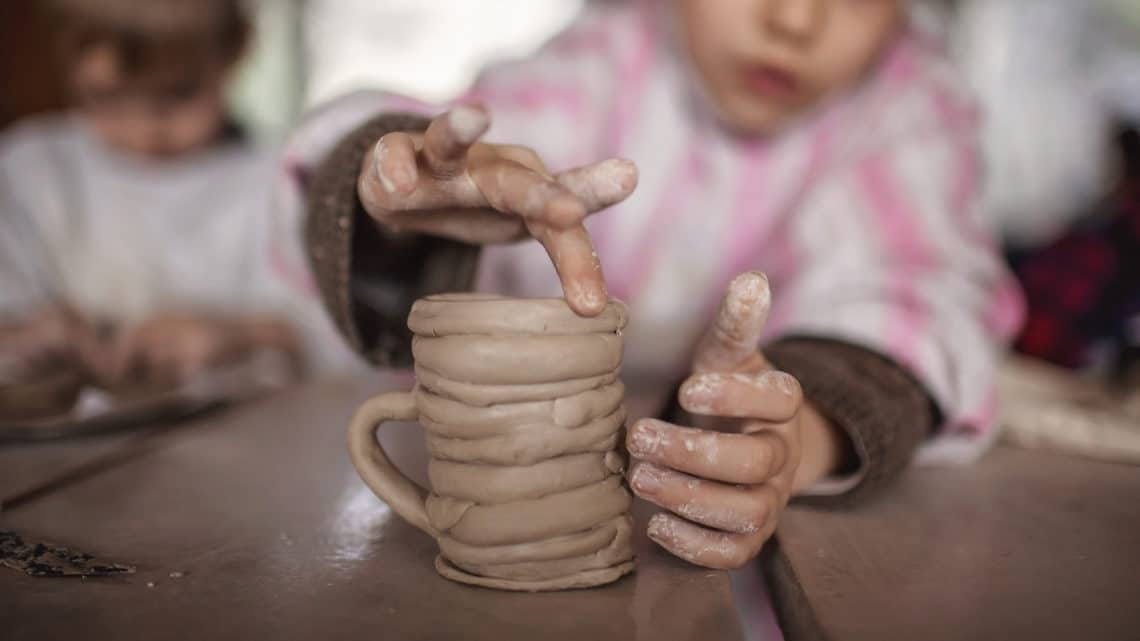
{"type": "Point", "coordinates": [865, 215]}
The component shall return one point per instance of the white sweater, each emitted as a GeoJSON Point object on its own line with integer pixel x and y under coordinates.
{"type": "Point", "coordinates": [118, 238]}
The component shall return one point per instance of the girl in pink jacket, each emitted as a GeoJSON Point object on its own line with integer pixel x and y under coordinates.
{"type": "Point", "coordinates": [824, 143]}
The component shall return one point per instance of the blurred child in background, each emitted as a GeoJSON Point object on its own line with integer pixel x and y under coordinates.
{"type": "Point", "coordinates": [136, 229]}
{"type": "Point", "coordinates": [824, 142]}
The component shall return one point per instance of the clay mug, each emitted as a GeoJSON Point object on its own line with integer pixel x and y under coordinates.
{"type": "Point", "coordinates": [523, 412]}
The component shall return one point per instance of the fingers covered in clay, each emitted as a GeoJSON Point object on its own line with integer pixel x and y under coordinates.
{"type": "Point", "coordinates": [732, 342]}
{"type": "Point", "coordinates": [512, 187]}
{"type": "Point", "coordinates": [703, 546]}
{"type": "Point", "coordinates": [449, 137]}
{"type": "Point", "coordinates": [743, 509]}
{"type": "Point", "coordinates": [578, 267]}
{"type": "Point", "coordinates": [770, 395]}
{"type": "Point", "coordinates": [445, 182]}
{"type": "Point", "coordinates": [725, 457]}
{"type": "Point", "coordinates": [602, 184]}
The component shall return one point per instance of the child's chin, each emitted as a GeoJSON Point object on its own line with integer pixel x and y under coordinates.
{"type": "Point", "coordinates": [757, 120]}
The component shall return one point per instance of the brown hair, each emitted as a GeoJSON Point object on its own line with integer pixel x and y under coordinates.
{"type": "Point", "coordinates": [155, 38]}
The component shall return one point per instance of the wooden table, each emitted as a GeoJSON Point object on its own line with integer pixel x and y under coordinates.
{"type": "Point", "coordinates": [269, 533]}
{"type": "Point", "coordinates": [275, 537]}
{"type": "Point", "coordinates": [1022, 545]}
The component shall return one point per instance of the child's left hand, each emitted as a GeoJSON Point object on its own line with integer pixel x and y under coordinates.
{"type": "Point", "coordinates": [727, 481]}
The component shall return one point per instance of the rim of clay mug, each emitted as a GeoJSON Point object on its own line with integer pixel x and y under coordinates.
{"type": "Point", "coordinates": [473, 313]}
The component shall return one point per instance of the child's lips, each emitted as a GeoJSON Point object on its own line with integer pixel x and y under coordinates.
{"type": "Point", "coordinates": [770, 81]}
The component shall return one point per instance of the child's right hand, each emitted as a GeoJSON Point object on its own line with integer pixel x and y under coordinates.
{"type": "Point", "coordinates": [444, 182]}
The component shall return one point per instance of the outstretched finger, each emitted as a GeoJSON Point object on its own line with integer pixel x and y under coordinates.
{"type": "Point", "coordinates": [705, 547]}
{"type": "Point", "coordinates": [744, 509]}
{"type": "Point", "coordinates": [602, 184]}
{"type": "Point", "coordinates": [746, 459]}
{"type": "Point", "coordinates": [734, 339]}
{"type": "Point", "coordinates": [512, 188]}
{"type": "Point", "coordinates": [449, 136]}
{"type": "Point", "coordinates": [578, 268]}
{"type": "Point", "coordinates": [770, 395]}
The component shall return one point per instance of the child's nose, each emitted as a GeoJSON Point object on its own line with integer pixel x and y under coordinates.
{"type": "Point", "coordinates": [796, 20]}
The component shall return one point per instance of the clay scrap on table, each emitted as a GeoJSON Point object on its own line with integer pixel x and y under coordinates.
{"type": "Point", "coordinates": [44, 559]}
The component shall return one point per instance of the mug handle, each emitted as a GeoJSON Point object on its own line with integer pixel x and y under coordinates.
{"type": "Point", "coordinates": [401, 493]}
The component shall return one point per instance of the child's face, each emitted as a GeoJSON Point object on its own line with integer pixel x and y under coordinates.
{"type": "Point", "coordinates": [154, 119]}
{"type": "Point", "coordinates": [765, 61]}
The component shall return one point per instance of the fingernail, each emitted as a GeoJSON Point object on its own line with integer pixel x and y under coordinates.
{"type": "Point", "coordinates": [468, 123]}
{"type": "Point", "coordinates": [699, 392]}
{"type": "Point", "coordinates": [750, 290]}
{"type": "Point", "coordinates": [660, 528]}
{"type": "Point", "coordinates": [378, 154]}
{"type": "Point", "coordinates": [646, 479]}
{"type": "Point", "coordinates": [782, 381]}
{"type": "Point", "coordinates": [585, 300]}
{"type": "Point", "coordinates": [592, 300]}
{"type": "Point", "coordinates": [644, 439]}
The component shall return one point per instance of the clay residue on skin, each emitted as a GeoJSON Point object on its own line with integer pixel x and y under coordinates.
{"type": "Point", "coordinates": [739, 322]}
{"type": "Point", "coordinates": [724, 519]}
{"type": "Point", "coordinates": [650, 438]}
{"type": "Point", "coordinates": [647, 438]}
{"type": "Point", "coordinates": [698, 392]}
{"type": "Point", "coordinates": [690, 542]}
{"type": "Point", "coordinates": [647, 478]}
{"type": "Point", "coordinates": [613, 178]}
{"type": "Point", "coordinates": [749, 295]}
{"type": "Point", "coordinates": [705, 393]}
{"type": "Point", "coordinates": [467, 123]}
{"type": "Point", "coordinates": [782, 381]}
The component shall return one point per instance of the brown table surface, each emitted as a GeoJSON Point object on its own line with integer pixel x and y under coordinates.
{"type": "Point", "coordinates": [275, 537]}
{"type": "Point", "coordinates": [1022, 545]}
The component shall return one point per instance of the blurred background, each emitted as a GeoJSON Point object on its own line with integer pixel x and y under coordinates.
{"type": "Point", "coordinates": [1058, 82]}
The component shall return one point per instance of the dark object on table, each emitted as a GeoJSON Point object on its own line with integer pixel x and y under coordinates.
{"type": "Point", "coordinates": [42, 559]}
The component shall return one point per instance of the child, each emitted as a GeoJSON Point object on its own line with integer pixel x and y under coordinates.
{"type": "Point", "coordinates": [821, 141]}
{"type": "Point", "coordinates": [135, 228]}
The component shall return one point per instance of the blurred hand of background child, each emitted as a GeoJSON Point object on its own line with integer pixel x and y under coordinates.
{"type": "Point", "coordinates": [50, 336]}
{"type": "Point", "coordinates": [443, 182]}
{"type": "Point", "coordinates": [757, 441]}
{"type": "Point", "coordinates": [173, 348]}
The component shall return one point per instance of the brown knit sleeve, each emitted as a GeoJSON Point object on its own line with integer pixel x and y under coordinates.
{"type": "Point", "coordinates": [369, 277]}
{"type": "Point", "coordinates": [883, 410]}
